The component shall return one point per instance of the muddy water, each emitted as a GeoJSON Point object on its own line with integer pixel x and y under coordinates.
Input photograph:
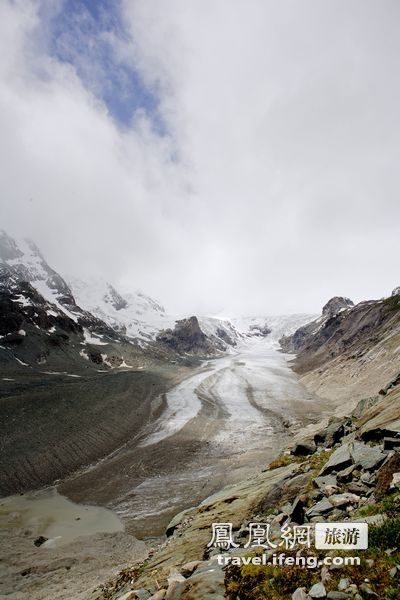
{"type": "Point", "coordinates": [219, 426]}
{"type": "Point", "coordinates": [55, 517]}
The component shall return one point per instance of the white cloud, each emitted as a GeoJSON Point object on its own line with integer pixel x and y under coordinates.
{"type": "Point", "coordinates": [283, 125]}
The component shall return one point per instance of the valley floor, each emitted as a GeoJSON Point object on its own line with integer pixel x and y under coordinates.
{"type": "Point", "coordinates": [216, 426]}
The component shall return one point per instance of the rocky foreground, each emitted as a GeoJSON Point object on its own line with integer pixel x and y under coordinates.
{"type": "Point", "coordinates": [344, 470]}
{"type": "Point", "coordinates": [349, 470]}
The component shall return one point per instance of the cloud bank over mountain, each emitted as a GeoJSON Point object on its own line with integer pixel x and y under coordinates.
{"type": "Point", "coordinates": [221, 156]}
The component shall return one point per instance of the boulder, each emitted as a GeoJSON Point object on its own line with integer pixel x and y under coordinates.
{"type": "Point", "coordinates": [342, 499]}
{"type": "Point", "coordinates": [334, 595]}
{"type": "Point", "coordinates": [357, 488]}
{"type": "Point", "coordinates": [317, 591]}
{"type": "Point", "coordinates": [368, 458]}
{"type": "Point", "coordinates": [323, 481]}
{"type": "Point", "coordinates": [330, 490]}
{"type": "Point", "coordinates": [343, 584]}
{"type": "Point", "coordinates": [323, 507]}
{"type": "Point", "coordinates": [333, 432]}
{"type": "Point", "coordinates": [346, 475]}
{"type": "Point", "coordinates": [383, 419]}
{"type": "Point", "coordinates": [295, 486]}
{"type": "Point", "coordinates": [303, 449]}
{"type": "Point", "coordinates": [188, 568]}
{"type": "Point", "coordinates": [207, 583]}
{"type": "Point", "coordinates": [40, 540]}
{"type": "Point", "coordinates": [340, 460]}
{"type": "Point", "coordinates": [395, 481]}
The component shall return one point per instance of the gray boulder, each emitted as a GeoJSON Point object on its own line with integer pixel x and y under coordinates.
{"type": "Point", "coordinates": [344, 499]}
{"type": "Point", "coordinates": [333, 432]}
{"type": "Point", "coordinates": [323, 507]}
{"type": "Point", "coordinates": [368, 458]}
{"type": "Point", "coordinates": [303, 448]}
{"type": "Point", "coordinates": [340, 460]}
{"type": "Point", "coordinates": [318, 591]}
{"type": "Point", "coordinates": [345, 475]}
{"type": "Point", "coordinates": [323, 481]}
{"type": "Point", "coordinates": [343, 584]}
{"type": "Point", "coordinates": [207, 583]}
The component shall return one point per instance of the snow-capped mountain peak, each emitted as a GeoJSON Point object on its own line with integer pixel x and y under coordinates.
{"type": "Point", "coordinates": [22, 260]}
{"type": "Point", "coordinates": [134, 314]}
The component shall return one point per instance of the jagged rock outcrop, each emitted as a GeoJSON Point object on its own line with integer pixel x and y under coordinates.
{"type": "Point", "coordinates": [396, 291]}
{"type": "Point", "coordinates": [335, 305]}
{"type": "Point", "coordinates": [304, 335]}
{"type": "Point", "coordinates": [187, 337]}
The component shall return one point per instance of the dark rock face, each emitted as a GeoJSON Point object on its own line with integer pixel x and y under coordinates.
{"type": "Point", "coordinates": [186, 337]}
{"type": "Point", "coordinates": [336, 305]}
{"type": "Point", "coordinates": [396, 291]}
{"type": "Point", "coordinates": [114, 298]}
{"type": "Point", "coordinates": [225, 337]}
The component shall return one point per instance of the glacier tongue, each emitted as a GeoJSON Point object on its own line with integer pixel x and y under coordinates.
{"type": "Point", "coordinates": [278, 325]}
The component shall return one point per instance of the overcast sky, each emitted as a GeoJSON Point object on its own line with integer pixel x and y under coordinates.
{"type": "Point", "coordinates": [232, 155]}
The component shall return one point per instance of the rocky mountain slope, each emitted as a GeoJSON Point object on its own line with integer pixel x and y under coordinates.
{"type": "Point", "coordinates": [350, 352]}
